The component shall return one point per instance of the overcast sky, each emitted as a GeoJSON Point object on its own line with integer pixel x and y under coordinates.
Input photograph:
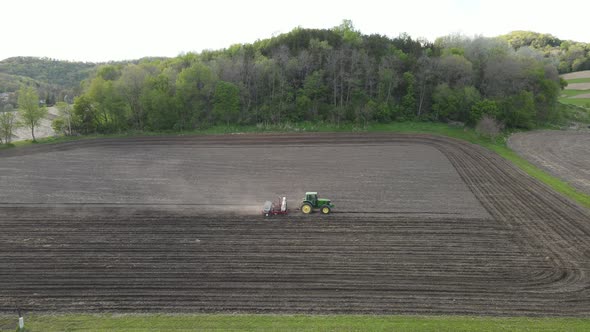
{"type": "Point", "coordinates": [93, 30]}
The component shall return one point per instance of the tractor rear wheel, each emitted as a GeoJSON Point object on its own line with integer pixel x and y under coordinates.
{"type": "Point", "coordinates": [306, 208]}
{"type": "Point", "coordinates": [325, 209]}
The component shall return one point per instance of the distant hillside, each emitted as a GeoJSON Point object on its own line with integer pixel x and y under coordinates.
{"type": "Point", "coordinates": [52, 78]}
{"type": "Point", "coordinates": [55, 72]}
{"type": "Point", "coordinates": [11, 83]}
{"type": "Point", "coordinates": [567, 55]}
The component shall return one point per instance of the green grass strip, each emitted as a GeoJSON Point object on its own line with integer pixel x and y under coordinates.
{"type": "Point", "coordinates": [243, 322]}
{"type": "Point", "coordinates": [579, 80]}
{"type": "Point", "coordinates": [571, 93]}
{"type": "Point", "coordinates": [582, 102]}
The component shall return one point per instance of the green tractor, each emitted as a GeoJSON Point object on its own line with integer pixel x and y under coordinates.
{"type": "Point", "coordinates": [311, 201]}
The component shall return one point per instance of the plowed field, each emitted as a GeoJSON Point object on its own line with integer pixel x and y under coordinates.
{"type": "Point", "coordinates": [422, 224]}
{"type": "Point", "coordinates": [565, 154]}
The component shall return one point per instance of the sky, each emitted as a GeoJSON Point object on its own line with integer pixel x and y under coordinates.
{"type": "Point", "coordinates": [105, 30]}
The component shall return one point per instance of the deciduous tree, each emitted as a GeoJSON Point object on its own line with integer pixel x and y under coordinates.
{"type": "Point", "coordinates": [226, 102]}
{"type": "Point", "coordinates": [8, 124]}
{"type": "Point", "coordinates": [65, 113]}
{"type": "Point", "coordinates": [28, 107]}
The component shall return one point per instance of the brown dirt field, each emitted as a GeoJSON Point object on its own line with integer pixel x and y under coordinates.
{"type": "Point", "coordinates": [403, 178]}
{"type": "Point", "coordinates": [522, 249]}
{"type": "Point", "coordinates": [582, 96]}
{"type": "Point", "coordinates": [565, 154]}
{"type": "Point", "coordinates": [578, 74]}
{"type": "Point", "coordinates": [578, 86]}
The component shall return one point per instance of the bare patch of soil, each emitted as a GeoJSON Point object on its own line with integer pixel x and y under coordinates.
{"type": "Point", "coordinates": [578, 74]}
{"type": "Point", "coordinates": [578, 86]}
{"type": "Point", "coordinates": [582, 96]}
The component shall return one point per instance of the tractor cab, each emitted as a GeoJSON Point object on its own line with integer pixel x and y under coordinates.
{"type": "Point", "coordinates": [311, 197]}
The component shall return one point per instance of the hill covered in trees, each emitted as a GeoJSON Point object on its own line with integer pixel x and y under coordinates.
{"type": "Point", "coordinates": [566, 55]}
{"type": "Point", "coordinates": [53, 79]}
{"type": "Point", "coordinates": [334, 75]}
{"type": "Point", "coordinates": [66, 74]}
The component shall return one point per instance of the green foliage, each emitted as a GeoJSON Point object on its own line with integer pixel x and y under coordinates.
{"type": "Point", "coordinates": [295, 323]}
{"type": "Point", "coordinates": [518, 39]}
{"type": "Point", "coordinates": [8, 124]}
{"type": "Point", "coordinates": [11, 83]}
{"type": "Point", "coordinates": [161, 105]}
{"type": "Point", "coordinates": [131, 87]}
{"type": "Point", "coordinates": [481, 108]}
{"type": "Point", "coordinates": [547, 94]}
{"type": "Point", "coordinates": [573, 113]}
{"type": "Point", "coordinates": [314, 95]}
{"type": "Point", "coordinates": [571, 106]}
{"type": "Point", "coordinates": [29, 110]}
{"type": "Point", "coordinates": [456, 104]}
{"type": "Point", "coordinates": [409, 99]}
{"type": "Point", "coordinates": [518, 111]}
{"type": "Point", "coordinates": [336, 75]}
{"type": "Point", "coordinates": [110, 113]}
{"type": "Point", "coordinates": [570, 55]}
{"type": "Point", "coordinates": [65, 120]}
{"type": "Point", "coordinates": [195, 87]}
{"type": "Point", "coordinates": [62, 73]}
{"type": "Point", "coordinates": [86, 115]}
{"type": "Point", "coordinates": [226, 102]}
{"type": "Point", "coordinates": [348, 33]}
{"type": "Point", "coordinates": [446, 101]}
{"type": "Point", "coordinates": [109, 72]}
{"type": "Point", "coordinates": [59, 126]}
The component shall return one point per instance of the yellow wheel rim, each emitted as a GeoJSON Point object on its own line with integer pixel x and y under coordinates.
{"type": "Point", "coordinates": [306, 209]}
{"type": "Point", "coordinates": [325, 210]}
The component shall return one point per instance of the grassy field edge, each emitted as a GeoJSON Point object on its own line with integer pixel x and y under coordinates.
{"type": "Point", "coordinates": [268, 322]}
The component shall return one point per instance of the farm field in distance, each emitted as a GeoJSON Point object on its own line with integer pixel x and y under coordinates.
{"type": "Point", "coordinates": [578, 90]}
{"type": "Point", "coordinates": [422, 225]}
{"type": "Point", "coordinates": [563, 153]}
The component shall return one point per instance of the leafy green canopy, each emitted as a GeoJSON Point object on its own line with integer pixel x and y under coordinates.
{"type": "Point", "coordinates": [567, 54]}
{"type": "Point", "coordinates": [332, 75]}
{"type": "Point", "coordinates": [29, 110]}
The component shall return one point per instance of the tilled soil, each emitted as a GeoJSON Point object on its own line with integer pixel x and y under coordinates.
{"type": "Point", "coordinates": [405, 178]}
{"type": "Point", "coordinates": [578, 86]}
{"type": "Point", "coordinates": [527, 253]}
{"type": "Point", "coordinates": [578, 74]}
{"type": "Point", "coordinates": [565, 154]}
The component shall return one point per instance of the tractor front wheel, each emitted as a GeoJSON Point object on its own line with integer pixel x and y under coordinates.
{"type": "Point", "coordinates": [325, 209]}
{"type": "Point", "coordinates": [306, 208]}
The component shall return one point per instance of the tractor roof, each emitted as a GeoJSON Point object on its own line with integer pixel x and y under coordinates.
{"type": "Point", "coordinates": [311, 193]}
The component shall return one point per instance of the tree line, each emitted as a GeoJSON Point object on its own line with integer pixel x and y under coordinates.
{"type": "Point", "coordinates": [566, 55]}
{"type": "Point", "coordinates": [333, 75]}
{"type": "Point", "coordinates": [29, 110]}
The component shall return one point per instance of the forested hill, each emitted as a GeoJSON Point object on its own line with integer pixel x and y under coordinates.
{"type": "Point", "coordinates": [53, 79]}
{"type": "Point", "coordinates": [56, 72]}
{"type": "Point", "coordinates": [334, 75]}
{"type": "Point", "coordinates": [567, 55]}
